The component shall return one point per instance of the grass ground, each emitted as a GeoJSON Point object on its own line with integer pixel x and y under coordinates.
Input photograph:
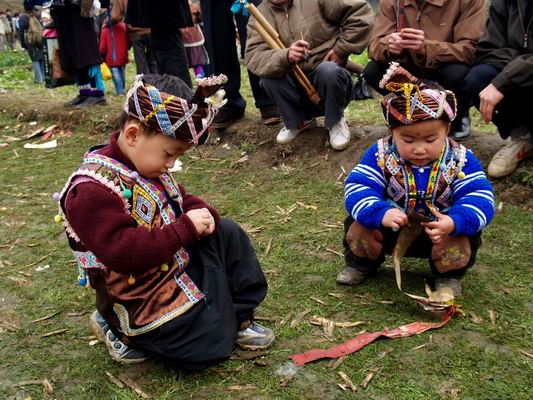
{"type": "Point", "coordinates": [484, 355]}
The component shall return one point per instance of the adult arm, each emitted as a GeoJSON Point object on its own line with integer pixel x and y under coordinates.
{"type": "Point", "coordinates": [97, 216]}
{"type": "Point", "coordinates": [385, 25]}
{"type": "Point", "coordinates": [355, 19]}
{"type": "Point", "coordinates": [466, 32]}
{"type": "Point", "coordinates": [364, 191]}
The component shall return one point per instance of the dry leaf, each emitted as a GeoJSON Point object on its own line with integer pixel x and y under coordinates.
{"type": "Point", "coordinates": [369, 377]}
{"type": "Point", "coordinates": [44, 318]}
{"type": "Point", "coordinates": [318, 300]}
{"type": "Point", "coordinates": [328, 328]}
{"type": "Point", "coordinates": [54, 333]}
{"type": "Point", "coordinates": [247, 386]}
{"type": "Point", "coordinates": [493, 316]}
{"type": "Point", "coordinates": [299, 318]}
{"type": "Point", "coordinates": [114, 380]}
{"type": "Point", "coordinates": [476, 319]}
{"type": "Point", "coordinates": [334, 364]}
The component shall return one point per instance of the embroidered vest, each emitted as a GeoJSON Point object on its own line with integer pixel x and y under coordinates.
{"type": "Point", "coordinates": [141, 303]}
{"type": "Point", "coordinates": [401, 184]}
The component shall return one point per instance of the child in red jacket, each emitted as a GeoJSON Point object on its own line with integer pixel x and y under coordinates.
{"type": "Point", "coordinates": [114, 45]}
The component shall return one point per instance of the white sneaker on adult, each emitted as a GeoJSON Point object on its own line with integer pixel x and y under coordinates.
{"type": "Point", "coordinates": [339, 135]}
{"type": "Point", "coordinates": [287, 135]}
{"type": "Point", "coordinates": [507, 158]}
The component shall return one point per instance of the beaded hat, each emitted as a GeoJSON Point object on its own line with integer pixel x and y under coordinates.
{"type": "Point", "coordinates": [174, 116]}
{"type": "Point", "coordinates": [414, 100]}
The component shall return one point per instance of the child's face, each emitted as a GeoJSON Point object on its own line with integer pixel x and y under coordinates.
{"type": "Point", "coordinates": [421, 143]}
{"type": "Point", "coordinates": [154, 154]}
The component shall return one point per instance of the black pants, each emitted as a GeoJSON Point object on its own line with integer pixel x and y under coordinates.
{"type": "Point", "coordinates": [170, 53]}
{"type": "Point", "coordinates": [225, 268]}
{"type": "Point", "coordinates": [420, 248]}
{"type": "Point", "coordinates": [515, 108]}
{"type": "Point", "coordinates": [450, 76]}
{"type": "Point", "coordinates": [144, 56]}
{"type": "Point", "coordinates": [333, 83]}
{"type": "Point", "coordinates": [220, 42]}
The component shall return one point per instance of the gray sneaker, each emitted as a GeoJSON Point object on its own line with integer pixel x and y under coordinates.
{"type": "Point", "coordinates": [452, 283]}
{"type": "Point", "coordinates": [255, 337]}
{"type": "Point", "coordinates": [351, 276]}
{"type": "Point", "coordinates": [118, 350]}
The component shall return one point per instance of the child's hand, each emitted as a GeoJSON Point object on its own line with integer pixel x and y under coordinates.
{"type": "Point", "coordinates": [439, 229]}
{"type": "Point", "coordinates": [394, 219]}
{"type": "Point", "coordinates": [202, 220]}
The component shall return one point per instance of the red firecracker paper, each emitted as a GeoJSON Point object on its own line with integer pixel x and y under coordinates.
{"type": "Point", "coordinates": [358, 342]}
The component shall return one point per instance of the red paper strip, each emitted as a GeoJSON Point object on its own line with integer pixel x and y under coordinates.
{"type": "Point", "coordinates": [360, 341]}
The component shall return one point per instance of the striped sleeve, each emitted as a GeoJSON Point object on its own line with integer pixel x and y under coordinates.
{"type": "Point", "coordinates": [473, 204]}
{"type": "Point", "coordinates": [364, 191]}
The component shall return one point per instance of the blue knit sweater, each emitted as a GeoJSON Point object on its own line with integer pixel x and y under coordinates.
{"type": "Point", "coordinates": [366, 199]}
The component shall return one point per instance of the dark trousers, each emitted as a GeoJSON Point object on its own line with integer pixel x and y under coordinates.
{"type": "Point", "coordinates": [170, 53]}
{"type": "Point", "coordinates": [450, 76]}
{"type": "Point", "coordinates": [220, 43]}
{"type": "Point", "coordinates": [420, 248]}
{"type": "Point", "coordinates": [225, 268]}
{"type": "Point", "coordinates": [144, 56]}
{"type": "Point", "coordinates": [333, 83]}
{"type": "Point", "coordinates": [515, 108]}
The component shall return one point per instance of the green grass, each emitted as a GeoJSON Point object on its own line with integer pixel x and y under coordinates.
{"type": "Point", "coordinates": [465, 359]}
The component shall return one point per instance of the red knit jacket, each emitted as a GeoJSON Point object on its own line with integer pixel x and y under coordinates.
{"type": "Point", "coordinates": [97, 216]}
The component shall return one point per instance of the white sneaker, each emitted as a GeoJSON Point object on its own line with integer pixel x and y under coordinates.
{"type": "Point", "coordinates": [286, 135]}
{"type": "Point", "coordinates": [507, 158]}
{"type": "Point", "coordinates": [339, 135]}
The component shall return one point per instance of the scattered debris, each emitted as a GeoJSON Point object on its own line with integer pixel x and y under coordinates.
{"type": "Point", "coordinates": [307, 206]}
{"type": "Point", "coordinates": [8, 326]}
{"type": "Point", "coordinates": [334, 364]}
{"type": "Point", "coordinates": [247, 354]}
{"type": "Point", "coordinates": [320, 321]}
{"type": "Point", "coordinates": [476, 319]}
{"type": "Point", "coordinates": [45, 383]}
{"type": "Point", "coordinates": [493, 316]}
{"type": "Point", "coordinates": [42, 268]}
{"type": "Point", "coordinates": [287, 372]}
{"type": "Point", "coordinates": [18, 281]}
{"type": "Point", "coordinates": [132, 385]}
{"type": "Point", "coordinates": [318, 300]}
{"type": "Point", "coordinates": [337, 295]}
{"type": "Point", "coordinates": [500, 207]}
{"type": "Point", "coordinates": [270, 319]}
{"type": "Point", "coordinates": [247, 386]}
{"type": "Point", "coordinates": [335, 252]}
{"type": "Point", "coordinates": [419, 347]}
{"type": "Point", "coordinates": [54, 333]}
{"type": "Point", "coordinates": [93, 342]}
{"type": "Point", "coordinates": [78, 314]}
{"type": "Point", "coordinates": [250, 229]}
{"type": "Point", "coordinates": [114, 380]}
{"type": "Point", "coordinates": [44, 318]}
{"type": "Point", "coordinates": [178, 166]}
{"type": "Point", "coordinates": [386, 302]}
{"type": "Point", "coordinates": [369, 377]}
{"type": "Point", "coordinates": [46, 145]}
{"type": "Point", "coordinates": [348, 381]}
{"type": "Point", "coordinates": [526, 353]}
{"type": "Point", "coordinates": [269, 246]}
{"type": "Point", "coordinates": [299, 318]}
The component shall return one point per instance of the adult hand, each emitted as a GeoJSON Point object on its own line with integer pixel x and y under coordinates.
{"type": "Point", "coordinates": [395, 43]}
{"type": "Point", "coordinates": [394, 219]}
{"type": "Point", "coordinates": [334, 57]}
{"type": "Point", "coordinates": [298, 51]}
{"type": "Point", "coordinates": [488, 99]}
{"type": "Point", "coordinates": [439, 229]}
{"type": "Point", "coordinates": [413, 39]}
{"type": "Point", "coordinates": [202, 219]}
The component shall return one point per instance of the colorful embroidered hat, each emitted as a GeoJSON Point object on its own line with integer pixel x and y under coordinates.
{"type": "Point", "coordinates": [174, 116]}
{"type": "Point", "coordinates": [413, 100]}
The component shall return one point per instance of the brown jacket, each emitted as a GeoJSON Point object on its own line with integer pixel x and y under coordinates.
{"type": "Point", "coordinates": [451, 27]}
{"type": "Point", "coordinates": [343, 25]}
{"type": "Point", "coordinates": [118, 13]}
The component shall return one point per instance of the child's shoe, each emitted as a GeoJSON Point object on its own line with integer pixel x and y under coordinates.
{"type": "Point", "coordinates": [255, 337]}
{"type": "Point", "coordinates": [351, 276]}
{"type": "Point", "coordinates": [118, 350]}
{"type": "Point", "coordinates": [287, 135]}
{"type": "Point", "coordinates": [452, 283]}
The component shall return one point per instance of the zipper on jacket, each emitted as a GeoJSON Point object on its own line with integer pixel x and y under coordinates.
{"type": "Point", "coordinates": [524, 28]}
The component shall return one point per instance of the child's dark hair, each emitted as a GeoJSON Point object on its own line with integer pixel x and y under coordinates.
{"type": "Point", "coordinates": [164, 83]}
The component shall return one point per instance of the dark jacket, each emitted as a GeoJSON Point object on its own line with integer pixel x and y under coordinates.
{"type": "Point", "coordinates": [163, 14]}
{"type": "Point", "coordinates": [507, 44]}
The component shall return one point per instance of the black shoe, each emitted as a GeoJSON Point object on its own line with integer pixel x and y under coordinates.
{"type": "Point", "coordinates": [461, 128]}
{"type": "Point", "coordinates": [270, 115]}
{"type": "Point", "coordinates": [351, 276]}
{"type": "Point", "coordinates": [75, 101]}
{"type": "Point", "coordinates": [226, 116]}
{"type": "Point", "coordinates": [92, 101]}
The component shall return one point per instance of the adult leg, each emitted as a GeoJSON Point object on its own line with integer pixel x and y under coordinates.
{"type": "Point", "coordinates": [510, 117]}
{"type": "Point", "coordinates": [289, 98]}
{"type": "Point", "coordinates": [170, 53]}
{"type": "Point", "coordinates": [373, 73]}
{"type": "Point", "coordinates": [139, 54]}
{"type": "Point", "coordinates": [37, 72]}
{"type": "Point", "coordinates": [452, 77]}
{"type": "Point", "coordinates": [221, 47]}
{"type": "Point", "coordinates": [334, 85]}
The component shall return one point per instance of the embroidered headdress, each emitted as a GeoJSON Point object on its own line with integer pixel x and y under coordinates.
{"type": "Point", "coordinates": [174, 116]}
{"type": "Point", "coordinates": [413, 100]}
